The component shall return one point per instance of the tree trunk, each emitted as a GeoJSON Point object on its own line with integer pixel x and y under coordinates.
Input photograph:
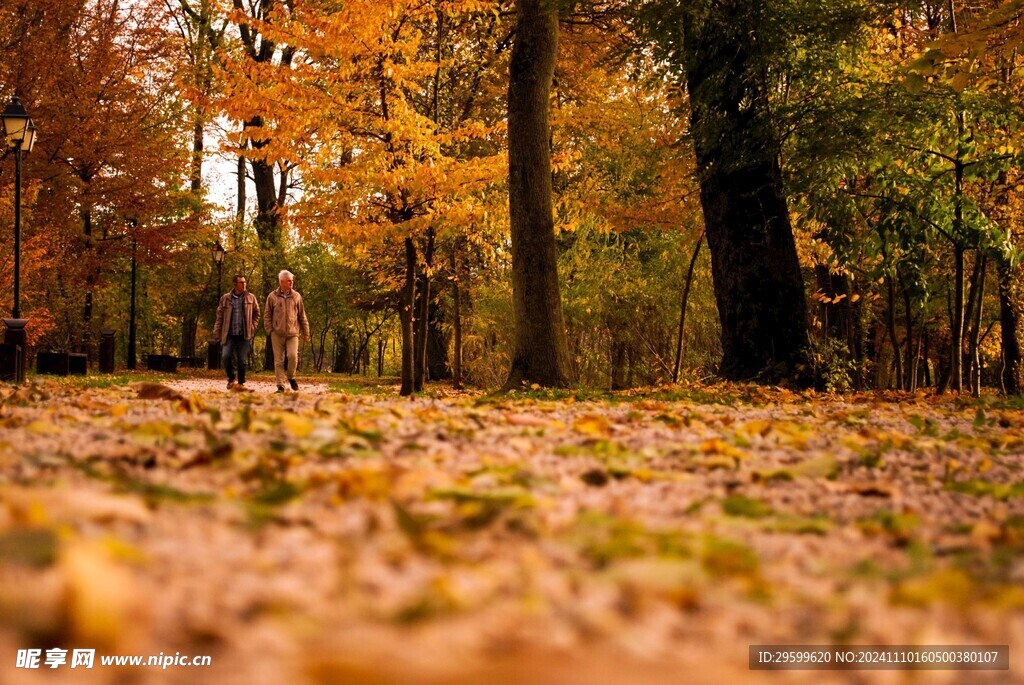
{"type": "Point", "coordinates": [956, 353]}
{"type": "Point", "coordinates": [381, 348]}
{"type": "Point", "coordinates": [618, 363]}
{"type": "Point", "coordinates": [682, 309]}
{"type": "Point", "coordinates": [405, 315]}
{"type": "Point", "coordinates": [540, 352]}
{"type": "Point", "coordinates": [196, 172]}
{"type": "Point", "coordinates": [1009, 323]}
{"type": "Point", "coordinates": [910, 350]}
{"type": "Point", "coordinates": [897, 351]}
{"type": "Point", "coordinates": [927, 358]}
{"type": "Point", "coordinates": [437, 344]}
{"type": "Point", "coordinates": [189, 322]}
{"type": "Point", "coordinates": [239, 234]}
{"type": "Point", "coordinates": [342, 354]}
{"type": "Point", "coordinates": [977, 298]}
{"type": "Point", "coordinates": [457, 301]}
{"type": "Point", "coordinates": [132, 360]}
{"type": "Point", "coordinates": [757, 281]}
{"type": "Point", "coordinates": [423, 296]}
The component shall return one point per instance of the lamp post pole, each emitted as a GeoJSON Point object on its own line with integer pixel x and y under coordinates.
{"type": "Point", "coordinates": [20, 136]}
{"type": "Point", "coordinates": [16, 312]}
{"type": "Point", "coordinates": [213, 351]}
{"type": "Point", "coordinates": [131, 361]}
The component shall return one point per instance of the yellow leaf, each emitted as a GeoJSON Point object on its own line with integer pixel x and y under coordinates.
{"type": "Point", "coordinates": [102, 599]}
{"type": "Point", "coordinates": [40, 427]}
{"type": "Point", "coordinates": [299, 426]}
{"type": "Point", "coordinates": [593, 425]}
{"type": "Point", "coordinates": [716, 446]}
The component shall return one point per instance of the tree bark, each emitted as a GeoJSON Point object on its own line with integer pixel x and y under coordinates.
{"type": "Point", "coordinates": [1009, 323]}
{"type": "Point", "coordinates": [196, 171]}
{"type": "Point", "coordinates": [682, 309]}
{"type": "Point", "coordinates": [897, 351]}
{"type": "Point", "coordinates": [457, 301]}
{"type": "Point", "coordinates": [975, 301]}
{"type": "Point", "coordinates": [131, 361]}
{"type": "Point", "coordinates": [540, 346]}
{"type": "Point", "coordinates": [239, 237]}
{"type": "Point", "coordinates": [438, 367]}
{"type": "Point", "coordinates": [405, 315]}
{"type": "Point", "coordinates": [757, 281]}
{"type": "Point", "coordinates": [956, 353]}
{"type": "Point", "coordinates": [423, 312]}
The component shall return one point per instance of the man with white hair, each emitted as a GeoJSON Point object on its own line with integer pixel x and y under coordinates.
{"type": "Point", "coordinates": [285, 319]}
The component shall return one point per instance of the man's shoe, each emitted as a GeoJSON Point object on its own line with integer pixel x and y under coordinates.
{"type": "Point", "coordinates": [231, 384]}
{"type": "Point", "coordinates": [280, 388]}
{"type": "Point", "coordinates": [295, 386]}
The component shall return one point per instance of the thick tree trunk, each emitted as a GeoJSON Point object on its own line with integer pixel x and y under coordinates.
{"type": "Point", "coordinates": [268, 231]}
{"type": "Point", "coordinates": [540, 347]}
{"type": "Point", "coordinates": [758, 285]}
{"type": "Point", "coordinates": [405, 315]}
{"type": "Point", "coordinates": [1009, 323]}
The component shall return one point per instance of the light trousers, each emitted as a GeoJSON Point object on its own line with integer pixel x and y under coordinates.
{"type": "Point", "coordinates": [285, 344]}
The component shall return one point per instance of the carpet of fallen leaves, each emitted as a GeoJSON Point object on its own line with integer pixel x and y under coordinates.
{"type": "Point", "coordinates": [356, 537]}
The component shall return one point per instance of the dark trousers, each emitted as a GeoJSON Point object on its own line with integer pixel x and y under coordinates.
{"type": "Point", "coordinates": [235, 355]}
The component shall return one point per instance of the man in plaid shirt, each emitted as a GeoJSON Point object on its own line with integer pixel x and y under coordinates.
{"type": "Point", "coordinates": [237, 315]}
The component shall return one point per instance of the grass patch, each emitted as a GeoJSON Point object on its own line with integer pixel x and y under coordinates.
{"type": "Point", "coordinates": [984, 488]}
{"type": "Point", "coordinates": [359, 385]}
{"type": "Point", "coordinates": [745, 507]}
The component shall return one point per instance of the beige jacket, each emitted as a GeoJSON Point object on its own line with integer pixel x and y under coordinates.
{"type": "Point", "coordinates": [285, 315]}
{"type": "Point", "coordinates": [222, 327]}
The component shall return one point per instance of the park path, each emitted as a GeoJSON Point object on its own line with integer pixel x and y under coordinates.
{"type": "Point", "coordinates": [259, 385]}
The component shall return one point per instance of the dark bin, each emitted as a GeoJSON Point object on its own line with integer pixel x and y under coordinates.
{"type": "Point", "coordinates": [107, 342]}
{"type": "Point", "coordinates": [78, 364]}
{"type": "Point", "coordinates": [53, 363]}
{"type": "Point", "coordinates": [162, 362]}
{"type": "Point", "coordinates": [213, 356]}
{"type": "Point", "coordinates": [11, 366]}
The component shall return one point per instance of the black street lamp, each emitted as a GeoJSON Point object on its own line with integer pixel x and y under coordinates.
{"type": "Point", "coordinates": [218, 258]}
{"type": "Point", "coordinates": [20, 134]}
{"type": "Point", "coordinates": [213, 351]}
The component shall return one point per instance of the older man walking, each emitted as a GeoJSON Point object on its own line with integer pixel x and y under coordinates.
{"type": "Point", "coordinates": [285, 321]}
{"type": "Point", "coordinates": [238, 312]}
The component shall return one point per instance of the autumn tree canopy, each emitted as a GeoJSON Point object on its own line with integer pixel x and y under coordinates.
{"type": "Point", "coordinates": [517, 192]}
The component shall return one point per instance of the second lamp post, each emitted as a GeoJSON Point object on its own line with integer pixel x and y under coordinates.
{"type": "Point", "coordinates": [20, 134]}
